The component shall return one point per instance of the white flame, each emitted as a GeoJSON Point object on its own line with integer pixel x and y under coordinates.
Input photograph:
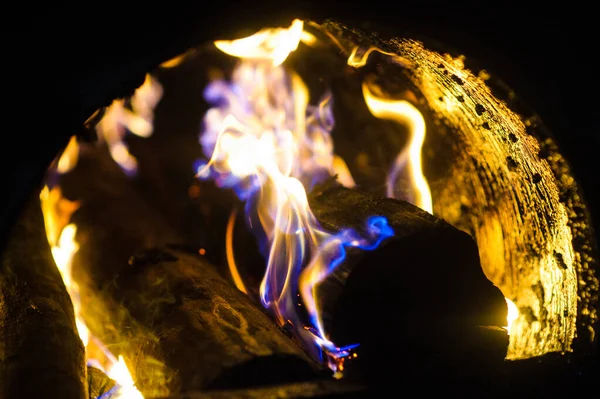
{"type": "Point", "coordinates": [118, 120]}
{"type": "Point", "coordinates": [266, 141]}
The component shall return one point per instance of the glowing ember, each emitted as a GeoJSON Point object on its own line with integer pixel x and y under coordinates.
{"type": "Point", "coordinates": [118, 119]}
{"type": "Point", "coordinates": [266, 142]}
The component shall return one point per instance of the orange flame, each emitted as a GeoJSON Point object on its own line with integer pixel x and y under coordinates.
{"type": "Point", "coordinates": [513, 314]}
{"type": "Point", "coordinates": [68, 159]}
{"type": "Point", "coordinates": [266, 141]}
{"type": "Point", "coordinates": [57, 212]}
{"type": "Point", "coordinates": [409, 159]}
{"type": "Point", "coordinates": [118, 120]}
{"type": "Point", "coordinates": [357, 60]}
{"type": "Point", "coordinates": [235, 274]}
{"type": "Point", "coordinates": [270, 45]}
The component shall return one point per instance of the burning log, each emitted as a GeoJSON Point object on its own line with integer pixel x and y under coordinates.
{"type": "Point", "coordinates": [420, 297]}
{"type": "Point", "coordinates": [205, 332]}
{"type": "Point", "coordinates": [99, 384]}
{"type": "Point", "coordinates": [248, 145]}
{"type": "Point", "coordinates": [41, 354]}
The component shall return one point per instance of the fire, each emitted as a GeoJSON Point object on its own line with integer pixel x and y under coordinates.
{"type": "Point", "coordinates": [120, 373]}
{"type": "Point", "coordinates": [68, 159]}
{"type": "Point", "coordinates": [358, 60]}
{"type": "Point", "coordinates": [409, 159]}
{"type": "Point", "coordinates": [118, 119]}
{"type": "Point", "coordinates": [513, 314]}
{"type": "Point", "coordinates": [235, 275]}
{"type": "Point", "coordinates": [56, 211]}
{"type": "Point", "coordinates": [270, 45]}
{"type": "Point", "coordinates": [266, 141]}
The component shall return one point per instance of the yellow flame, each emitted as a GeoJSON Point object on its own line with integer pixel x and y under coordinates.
{"type": "Point", "coordinates": [265, 139]}
{"type": "Point", "coordinates": [118, 120]}
{"type": "Point", "coordinates": [120, 373]}
{"type": "Point", "coordinates": [308, 38]}
{"type": "Point", "coordinates": [355, 60]}
{"type": "Point", "coordinates": [272, 44]}
{"type": "Point", "coordinates": [513, 314]}
{"type": "Point", "coordinates": [63, 253]}
{"type": "Point", "coordinates": [235, 274]}
{"type": "Point", "coordinates": [175, 61]}
{"type": "Point", "coordinates": [340, 169]}
{"type": "Point", "coordinates": [57, 212]}
{"type": "Point", "coordinates": [68, 159]}
{"type": "Point", "coordinates": [409, 158]}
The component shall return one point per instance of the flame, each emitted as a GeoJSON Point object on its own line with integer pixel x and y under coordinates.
{"type": "Point", "coordinates": [68, 159]}
{"type": "Point", "coordinates": [118, 120]}
{"type": "Point", "coordinates": [120, 373]}
{"type": "Point", "coordinates": [176, 61]}
{"type": "Point", "coordinates": [409, 159]}
{"type": "Point", "coordinates": [270, 45]}
{"type": "Point", "coordinates": [235, 274]}
{"type": "Point", "coordinates": [513, 314]}
{"type": "Point", "coordinates": [357, 60]}
{"type": "Point", "coordinates": [269, 144]}
{"type": "Point", "coordinates": [57, 212]}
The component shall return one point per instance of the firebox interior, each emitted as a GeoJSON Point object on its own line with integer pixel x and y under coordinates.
{"type": "Point", "coordinates": [492, 172]}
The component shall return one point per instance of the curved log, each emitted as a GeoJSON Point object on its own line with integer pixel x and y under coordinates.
{"type": "Point", "coordinates": [41, 355]}
{"type": "Point", "coordinates": [182, 326]}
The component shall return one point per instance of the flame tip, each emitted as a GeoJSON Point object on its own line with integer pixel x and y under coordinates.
{"type": "Point", "coordinates": [267, 142]}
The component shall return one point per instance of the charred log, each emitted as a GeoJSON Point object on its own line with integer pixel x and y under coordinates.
{"type": "Point", "coordinates": [100, 386]}
{"type": "Point", "coordinates": [420, 297]}
{"type": "Point", "coordinates": [41, 354]}
{"type": "Point", "coordinates": [179, 312]}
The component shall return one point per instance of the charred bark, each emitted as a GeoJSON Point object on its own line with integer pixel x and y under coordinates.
{"type": "Point", "coordinates": [420, 297]}
{"type": "Point", "coordinates": [213, 335]}
{"type": "Point", "coordinates": [41, 355]}
{"type": "Point", "coordinates": [176, 314]}
{"type": "Point", "coordinates": [100, 386]}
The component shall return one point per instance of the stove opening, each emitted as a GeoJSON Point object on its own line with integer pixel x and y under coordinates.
{"type": "Point", "coordinates": [312, 203]}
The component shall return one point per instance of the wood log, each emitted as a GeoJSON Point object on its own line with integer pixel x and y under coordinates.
{"type": "Point", "coordinates": [100, 386]}
{"type": "Point", "coordinates": [421, 297]}
{"type": "Point", "coordinates": [202, 331]}
{"type": "Point", "coordinates": [41, 355]}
